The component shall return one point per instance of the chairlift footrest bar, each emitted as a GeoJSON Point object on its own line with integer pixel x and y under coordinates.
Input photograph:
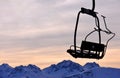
{"type": "Point", "coordinates": [83, 55]}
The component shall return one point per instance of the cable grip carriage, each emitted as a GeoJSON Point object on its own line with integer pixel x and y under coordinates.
{"type": "Point", "coordinates": [89, 49]}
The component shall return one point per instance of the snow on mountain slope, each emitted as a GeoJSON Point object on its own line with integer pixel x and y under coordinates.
{"type": "Point", "coordinates": [97, 73]}
{"type": "Point", "coordinates": [106, 73]}
{"type": "Point", "coordinates": [64, 69]}
{"type": "Point", "coordinates": [88, 66]}
{"type": "Point", "coordinates": [5, 69]}
{"type": "Point", "coordinates": [30, 71]}
{"type": "Point", "coordinates": [64, 65]}
{"type": "Point", "coordinates": [93, 70]}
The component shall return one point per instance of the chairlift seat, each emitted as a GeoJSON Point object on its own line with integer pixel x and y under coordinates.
{"type": "Point", "coordinates": [88, 50]}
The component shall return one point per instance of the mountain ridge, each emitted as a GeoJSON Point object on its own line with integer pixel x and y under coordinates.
{"type": "Point", "coordinates": [64, 69]}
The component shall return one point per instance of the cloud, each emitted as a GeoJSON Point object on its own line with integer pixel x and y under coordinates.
{"type": "Point", "coordinates": [32, 19]}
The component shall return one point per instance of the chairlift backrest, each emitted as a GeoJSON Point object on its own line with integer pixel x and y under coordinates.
{"type": "Point", "coordinates": [92, 46]}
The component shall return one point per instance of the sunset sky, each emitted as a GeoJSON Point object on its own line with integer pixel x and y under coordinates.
{"type": "Point", "coordinates": [40, 31]}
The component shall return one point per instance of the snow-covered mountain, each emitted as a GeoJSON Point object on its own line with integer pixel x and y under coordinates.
{"type": "Point", "coordinates": [5, 69]}
{"type": "Point", "coordinates": [29, 71]}
{"type": "Point", "coordinates": [88, 66]}
{"type": "Point", "coordinates": [64, 69]}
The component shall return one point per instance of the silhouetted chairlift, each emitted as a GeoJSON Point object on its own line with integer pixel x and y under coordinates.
{"type": "Point", "coordinates": [90, 49]}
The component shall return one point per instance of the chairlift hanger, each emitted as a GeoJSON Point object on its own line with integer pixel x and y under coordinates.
{"type": "Point", "coordinates": [89, 49]}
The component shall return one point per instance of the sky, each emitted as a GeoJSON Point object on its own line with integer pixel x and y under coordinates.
{"type": "Point", "coordinates": [40, 31]}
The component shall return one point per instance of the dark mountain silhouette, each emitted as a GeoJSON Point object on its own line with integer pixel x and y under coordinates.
{"type": "Point", "coordinates": [64, 69]}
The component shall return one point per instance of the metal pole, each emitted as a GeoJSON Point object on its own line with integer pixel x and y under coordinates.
{"type": "Point", "coordinates": [93, 6]}
{"type": "Point", "coordinates": [75, 33]}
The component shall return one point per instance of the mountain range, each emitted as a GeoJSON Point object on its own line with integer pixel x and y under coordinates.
{"type": "Point", "coordinates": [64, 69]}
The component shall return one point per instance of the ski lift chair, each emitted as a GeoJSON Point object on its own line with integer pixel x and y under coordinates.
{"type": "Point", "coordinates": [89, 49]}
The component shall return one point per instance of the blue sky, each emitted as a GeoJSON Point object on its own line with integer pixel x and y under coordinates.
{"type": "Point", "coordinates": [40, 31]}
